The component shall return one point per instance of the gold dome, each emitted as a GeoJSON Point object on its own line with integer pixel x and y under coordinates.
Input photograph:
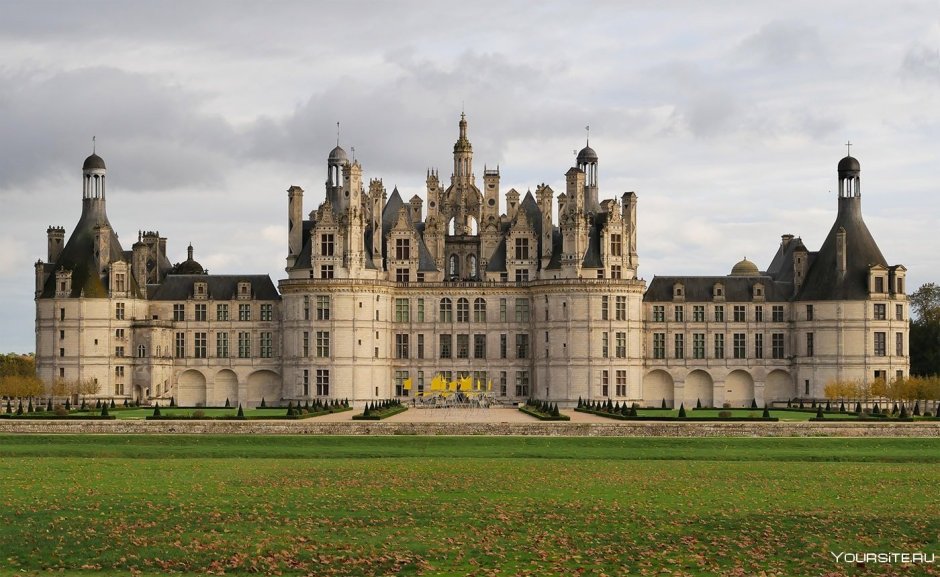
{"type": "Point", "coordinates": [745, 268]}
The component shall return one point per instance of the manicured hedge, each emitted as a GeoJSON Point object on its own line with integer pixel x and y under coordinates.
{"type": "Point", "coordinates": [378, 410]}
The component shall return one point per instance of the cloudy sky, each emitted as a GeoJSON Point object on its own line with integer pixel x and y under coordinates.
{"type": "Point", "coordinates": [726, 118]}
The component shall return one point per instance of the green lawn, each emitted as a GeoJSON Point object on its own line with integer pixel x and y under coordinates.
{"type": "Point", "coordinates": [454, 506]}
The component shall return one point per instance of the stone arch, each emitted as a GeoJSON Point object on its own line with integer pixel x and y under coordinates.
{"type": "Point", "coordinates": [263, 385]}
{"type": "Point", "coordinates": [191, 389]}
{"type": "Point", "coordinates": [699, 386]}
{"type": "Point", "coordinates": [778, 386]}
{"type": "Point", "coordinates": [453, 266]}
{"type": "Point", "coordinates": [739, 389]}
{"type": "Point", "coordinates": [473, 226]}
{"type": "Point", "coordinates": [226, 387]}
{"type": "Point", "coordinates": [452, 226]}
{"type": "Point", "coordinates": [472, 266]}
{"type": "Point", "coordinates": [658, 385]}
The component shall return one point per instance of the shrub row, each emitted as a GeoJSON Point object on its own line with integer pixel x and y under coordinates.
{"type": "Point", "coordinates": [543, 410]}
{"type": "Point", "coordinates": [378, 410]}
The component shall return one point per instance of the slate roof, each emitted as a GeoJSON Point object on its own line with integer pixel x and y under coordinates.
{"type": "Point", "coordinates": [699, 288]}
{"type": "Point", "coordinates": [179, 287]}
{"type": "Point", "coordinates": [823, 280]}
{"type": "Point", "coordinates": [78, 256]}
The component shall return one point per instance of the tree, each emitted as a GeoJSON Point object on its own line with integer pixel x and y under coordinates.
{"type": "Point", "coordinates": [925, 330]}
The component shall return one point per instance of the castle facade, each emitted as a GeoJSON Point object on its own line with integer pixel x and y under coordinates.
{"type": "Point", "coordinates": [538, 295]}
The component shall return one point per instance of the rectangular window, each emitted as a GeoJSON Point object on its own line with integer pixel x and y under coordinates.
{"type": "Point", "coordinates": [326, 244]}
{"type": "Point", "coordinates": [446, 311]}
{"type": "Point", "coordinates": [119, 282]}
{"type": "Point", "coordinates": [62, 317]}
{"type": "Point", "coordinates": [244, 345]}
{"type": "Point", "coordinates": [244, 312]}
{"type": "Point", "coordinates": [740, 313]}
{"type": "Point", "coordinates": [179, 312]}
{"type": "Point", "coordinates": [679, 346]}
{"type": "Point", "coordinates": [305, 345]}
{"type": "Point", "coordinates": [420, 310]}
{"type": "Point", "coordinates": [880, 313]}
{"type": "Point", "coordinates": [522, 384]}
{"type": "Point", "coordinates": [880, 347]}
{"type": "Point", "coordinates": [400, 378]}
{"type": "Point", "coordinates": [420, 345]}
{"type": "Point", "coordinates": [463, 310]}
{"type": "Point", "coordinates": [698, 313]}
{"type": "Point", "coordinates": [306, 382]}
{"type": "Point", "coordinates": [463, 346]}
{"type": "Point", "coordinates": [201, 312]}
{"type": "Point", "coordinates": [605, 383]}
{"type": "Point", "coordinates": [616, 245]}
{"type": "Point", "coordinates": [306, 309]}
{"type": "Point", "coordinates": [679, 313]}
{"type": "Point", "coordinates": [221, 312]}
{"type": "Point", "coordinates": [659, 313]}
{"type": "Point", "coordinates": [420, 383]}
{"type": "Point", "coordinates": [810, 312]}
{"type": "Point", "coordinates": [810, 345]}
{"type": "Point", "coordinates": [759, 313]}
{"type": "Point", "coordinates": [221, 345]}
{"type": "Point", "coordinates": [479, 346]}
{"type": "Point", "coordinates": [522, 249]}
{"type": "Point", "coordinates": [776, 345]}
{"type": "Point", "coordinates": [522, 275]}
{"type": "Point", "coordinates": [615, 272]}
{"type": "Point", "coordinates": [446, 346]}
{"type": "Point", "coordinates": [659, 345]}
{"type": "Point", "coordinates": [119, 311]}
{"type": "Point", "coordinates": [719, 313]}
{"type": "Point", "coordinates": [719, 346]}
{"type": "Point", "coordinates": [267, 312]}
{"type": "Point", "coordinates": [402, 275]}
{"type": "Point", "coordinates": [522, 310]}
{"type": "Point", "coordinates": [118, 352]}
{"type": "Point", "coordinates": [502, 310]}
{"type": "Point", "coordinates": [181, 345]}
{"type": "Point", "coordinates": [326, 271]}
{"type": "Point", "coordinates": [879, 284]}
{"type": "Point", "coordinates": [777, 313]}
{"type": "Point", "coordinates": [201, 345]}
{"type": "Point", "coordinates": [118, 334]}
{"type": "Point", "coordinates": [119, 372]}
{"type": "Point", "coordinates": [323, 307]}
{"type": "Point", "coordinates": [402, 249]}
{"type": "Point", "coordinates": [479, 310]}
{"type": "Point", "coordinates": [621, 383]}
{"type": "Point", "coordinates": [402, 313]}
{"type": "Point", "coordinates": [899, 312]}
{"type": "Point", "coordinates": [401, 345]}
{"type": "Point", "coordinates": [759, 346]}
{"type": "Point", "coordinates": [621, 345]}
{"type": "Point", "coordinates": [323, 382]}
{"type": "Point", "coordinates": [698, 346]}
{"type": "Point", "coordinates": [503, 384]}
{"type": "Point", "coordinates": [605, 345]}
{"type": "Point", "coordinates": [522, 346]}
{"type": "Point", "coordinates": [605, 308]}
{"type": "Point", "coordinates": [899, 344]}
{"type": "Point", "coordinates": [323, 344]}
{"type": "Point", "coordinates": [621, 311]}
{"type": "Point", "coordinates": [739, 344]}
{"type": "Point", "coordinates": [267, 345]}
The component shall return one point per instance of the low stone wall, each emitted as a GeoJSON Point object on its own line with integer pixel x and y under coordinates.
{"type": "Point", "coordinates": [559, 429]}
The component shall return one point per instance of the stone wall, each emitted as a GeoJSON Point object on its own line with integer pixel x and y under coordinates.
{"type": "Point", "coordinates": [619, 429]}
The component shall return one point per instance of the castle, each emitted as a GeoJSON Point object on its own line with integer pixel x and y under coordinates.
{"type": "Point", "coordinates": [541, 299]}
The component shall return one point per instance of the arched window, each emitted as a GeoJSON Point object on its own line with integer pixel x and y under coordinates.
{"type": "Point", "coordinates": [472, 265]}
{"type": "Point", "coordinates": [454, 266]}
{"type": "Point", "coordinates": [447, 310]}
{"type": "Point", "coordinates": [472, 226]}
{"type": "Point", "coordinates": [479, 310]}
{"type": "Point", "coordinates": [141, 351]}
{"type": "Point", "coordinates": [452, 227]}
{"type": "Point", "coordinates": [463, 310]}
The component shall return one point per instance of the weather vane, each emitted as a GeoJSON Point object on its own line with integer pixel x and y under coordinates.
{"type": "Point", "coordinates": [93, 146]}
{"type": "Point", "coordinates": [848, 148]}
{"type": "Point", "coordinates": [337, 134]}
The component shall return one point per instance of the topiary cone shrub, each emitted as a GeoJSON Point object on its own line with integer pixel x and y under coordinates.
{"type": "Point", "coordinates": [104, 410]}
{"type": "Point", "coordinates": [842, 407]}
{"type": "Point", "coordinates": [819, 413]}
{"type": "Point", "coordinates": [156, 410]}
{"type": "Point", "coordinates": [113, 406]}
{"type": "Point", "coordinates": [753, 403]}
{"type": "Point", "coordinates": [828, 407]}
{"type": "Point", "coordinates": [858, 407]}
{"type": "Point", "coordinates": [903, 414]}
{"type": "Point", "coordinates": [241, 413]}
{"type": "Point", "coordinates": [49, 404]}
{"type": "Point", "coordinates": [263, 405]}
{"type": "Point", "coordinates": [663, 405]}
{"type": "Point", "coordinates": [698, 403]}
{"type": "Point", "coordinates": [172, 401]}
{"type": "Point", "coordinates": [29, 409]}
{"type": "Point", "coordinates": [19, 408]}
{"type": "Point", "coordinates": [9, 407]}
{"type": "Point", "coordinates": [766, 414]}
{"type": "Point", "coordinates": [681, 410]}
{"type": "Point", "coordinates": [916, 408]}
{"type": "Point", "coordinates": [228, 403]}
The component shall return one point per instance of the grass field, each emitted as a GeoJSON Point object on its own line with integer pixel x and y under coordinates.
{"type": "Point", "coordinates": [464, 505]}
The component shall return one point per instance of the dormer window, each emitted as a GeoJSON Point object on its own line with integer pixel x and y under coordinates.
{"type": "Point", "coordinates": [201, 290]}
{"type": "Point", "coordinates": [244, 290]}
{"type": "Point", "coordinates": [757, 292]}
{"type": "Point", "coordinates": [678, 291]}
